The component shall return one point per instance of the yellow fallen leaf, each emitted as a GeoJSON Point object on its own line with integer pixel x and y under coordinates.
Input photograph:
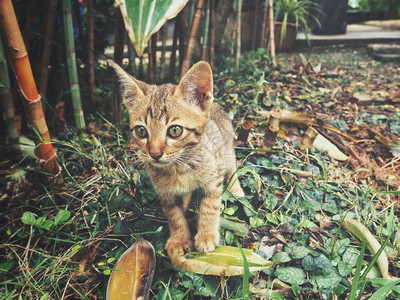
{"type": "Point", "coordinates": [133, 273]}
{"type": "Point", "coordinates": [223, 261]}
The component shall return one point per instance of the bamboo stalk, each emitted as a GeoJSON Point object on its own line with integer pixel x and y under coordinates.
{"type": "Point", "coordinates": [23, 72]}
{"type": "Point", "coordinates": [239, 33]}
{"type": "Point", "coordinates": [192, 38]}
{"type": "Point", "coordinates": [72, 68]}
{"type": "Point", "coordinates": [90, 27]}
{"type": "Point", "coordinates": [272, 31]}
{"type": "Point", "coordinates": [205, 34]}
{"type": "Point", "coordinates": [151, 69]}
{"type": "Point", "coordinates": [182, 30]}
{"type": "Point", "coordinates": [255, 25]}
{"type": "Point", "coordinates": [308, 138]}
{"type": "Point", "coordinates": [172, 62]}
{"type": "Point", "coordinates": [212, 34]}
{"type": "Point", "coordinates": [163, 46]}
{"type": "Point", "coordinates": [28, 24]}
{"type": "Point", "coordinates": [44, 68]}
{"type": "Point", "coordinates": [264, 24]}
{"type": "Point", "coordinates": [7, 104]}
{"type": "Point", "coordinates": [132, 57]}
{"type": "Point", "coordinates": [119, 42]}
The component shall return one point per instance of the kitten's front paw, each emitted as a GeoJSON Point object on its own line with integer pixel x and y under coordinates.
{"type": "Point", "coordinates": [178, 246]}
{"type": "Point", "coordinates": [206, 242]}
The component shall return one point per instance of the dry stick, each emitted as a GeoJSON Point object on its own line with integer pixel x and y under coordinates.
{"type": "Point", "coordinates": [255, 25]}
{"type": "Point", "coordinates": [192, 37]}
{"type": "Point", "coordinates": [239, 32]}
{"type": "Point", "coordinates": [205, 34]}
{"type": "Point", "coordinates": [119, 42]}
{"type": "Point", "coordinates": [72, 68]}
{"type": "Point", "coordinates": [92, 84]}
{"type": "Point", "coordinates": [272, 130]}
{"type": "Point", "coordinates": [212, 34]}
{"type": "Point", "coordinates": [271, 31]}
{"type": "Point", "coordinates": [23, 72]}
{"type": "Point", "coordinates": [6, 102]}
{"type": "Point", "coordinates": [44, 68]}
{"type": "Point", "coordinates": [264, 25]}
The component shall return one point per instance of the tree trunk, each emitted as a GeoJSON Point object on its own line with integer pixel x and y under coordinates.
{"type": "Point", "coordinates": [44, 68]}
{"type": "Point", "coordinates": [192, 38]}
{"type": "Point", "coordinates": [23, 72]}
{"type": "Point", "coordinates": [119, 42]}
{"type": "Point", "coordinates": [72, 68]}
{"type": "Point", "coordinates": [92, 84]}
{"type": "Point", "coordinates": [212, 33]}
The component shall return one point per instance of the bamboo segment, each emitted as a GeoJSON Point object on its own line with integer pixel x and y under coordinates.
{"type": "Point", "coordinates": [6, 101]}
{"type": "Point", "coordinates": [244, 131]}
{"type": "Point", "coordinates": [172, 60]}
{"type": "Point", "coordinates": [71, 61]}
{"type": "Point", "coordinates": [44, 69]}
{"type": "Point", "coordinates": [119, 42]}
{"type": "Point", "coordinates": [205, 34]}
{"type": "Point", "coordinates": [212, 34]}
{"type": "Point", "coordinates": [92, 84]}
{"type": "Point", "coordinates": [255, 26]}
{"type": "Point", "coordinates": [239, 33]}
{"type": "Point", "coordinates": [192, 37]}
{"type": "Point", "coordinates": [272, 130]}
{"type": "Point", "coordinates": [271, 31]}
{"type": "Point", "coordinates": [23, 72]}
{"type": "Point", "coordinates": [308, 138]}
{"type": "Point", "coordinates": [264, 25]}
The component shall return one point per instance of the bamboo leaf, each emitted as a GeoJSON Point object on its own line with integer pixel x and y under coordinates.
{"type": "Point", "coordinates": [363, 234]}
{"type": "Point", "coordinates": [223, 261]}
{"type": "Point", "coordinates": [133, 273]}
{"type": "Point", "coordinates": [142, 18]}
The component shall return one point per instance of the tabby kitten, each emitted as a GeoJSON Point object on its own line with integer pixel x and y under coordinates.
{"type": "Point", "coordinates": [186, 143]}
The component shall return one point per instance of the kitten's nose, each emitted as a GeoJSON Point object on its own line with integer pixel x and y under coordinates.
{"type": "Point", "coordinates": [156, 155]}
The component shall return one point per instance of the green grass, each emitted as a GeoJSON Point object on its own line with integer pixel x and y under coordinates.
{"type": "Point", "coordinates": [62, 240]}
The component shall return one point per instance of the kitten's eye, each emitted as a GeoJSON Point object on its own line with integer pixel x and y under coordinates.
{"type": "Point", "coordinates": [141, 132]}
{"type": "Point", "coordinates": [175, 131]}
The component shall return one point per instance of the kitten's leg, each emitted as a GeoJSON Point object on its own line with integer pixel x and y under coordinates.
{"type": "Point", "coordinates": [208, 225]}
{"type": "Point", "coordinates": [185, 201]}
{"type": "Point", "coordinates": [179, 240]}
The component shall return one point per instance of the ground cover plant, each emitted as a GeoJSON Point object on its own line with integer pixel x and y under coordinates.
{"type": "Point", "coordinates": [61, 240]}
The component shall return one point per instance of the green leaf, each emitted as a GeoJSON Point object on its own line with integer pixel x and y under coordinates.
{"type": "Point", "coordinates": [344, 269]}
{"type": "Point", "coordinates": [350, 257]}
{"type": "Point", "coordinates": [6, 266]}
{"type": "Point", "coordinates": [142, 18]}
{"type": "Point", "coordinates": [61, 217]}
{"type": "Point", "coordinates": [326, 280]}
{"type": "Point", "coordinates": [28, 218]}
{"type": "Point", "coordinates": [281, 257]}
{"type": "Point", "coordinates": [384, 291]}
{"type": "Point", "coordinates": [300, 252]}
{"type": "Point", "coordinates": [291, 275]}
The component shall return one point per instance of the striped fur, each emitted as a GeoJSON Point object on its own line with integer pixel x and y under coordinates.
{"type": "Point", "coordinates": [200, 158]}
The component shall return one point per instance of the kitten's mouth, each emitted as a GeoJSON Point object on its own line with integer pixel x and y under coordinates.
{"type": "Point", "coordinates": [160, 164]}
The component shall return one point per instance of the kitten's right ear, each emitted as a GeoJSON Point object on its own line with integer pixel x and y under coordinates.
{"type": "Point", "coordinates": [132, 89]}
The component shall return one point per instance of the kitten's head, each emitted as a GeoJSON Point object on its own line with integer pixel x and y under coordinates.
{"type": "Point", "coordinates": [168, 120]}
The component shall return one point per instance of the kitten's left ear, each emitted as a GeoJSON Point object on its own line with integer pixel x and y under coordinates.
{"type": "Point", "coordinates": [196, 87]}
